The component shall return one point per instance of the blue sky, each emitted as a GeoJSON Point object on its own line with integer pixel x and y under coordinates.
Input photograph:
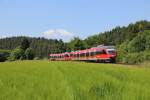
{"type": "Point", "coordinates": [67, 18]}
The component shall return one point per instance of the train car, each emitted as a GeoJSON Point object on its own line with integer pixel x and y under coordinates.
{"type": "Point", "coordinates": [102, 54]}
{"type": "Point", "coordinates": [97, 54]}
{"type": "Point", "coordinates": [60, 57]}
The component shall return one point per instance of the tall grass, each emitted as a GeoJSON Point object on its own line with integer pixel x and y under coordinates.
{"type": "Point", "coordinates": [43, 80]}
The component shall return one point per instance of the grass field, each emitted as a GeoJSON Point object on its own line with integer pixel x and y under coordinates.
{"type": "Point", "coordinates": [43, 80]}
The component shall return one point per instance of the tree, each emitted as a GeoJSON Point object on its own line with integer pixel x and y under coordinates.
{"type": "Point", "coordinates": [24, 44]}
{"type": "Point", "coordinates": [76, 44]}
{"type": "Point", "coordinates": [16, 54]}
{"type": "Point", "coordinates": [147, 40]}
{"type": "Point", "coordinates": [136, 50]}
{"type": "Point", "coordinates": [62, 46]}
{"type": "Point", "coordinates": [29, 54]}
{"type": "Point", "coordinates": [140, 42]}
{"type": "Point", "coordinates": [122, 51]}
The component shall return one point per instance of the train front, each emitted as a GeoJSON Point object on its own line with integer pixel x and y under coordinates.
{"type": "Point", "coordinates": [112, 54]}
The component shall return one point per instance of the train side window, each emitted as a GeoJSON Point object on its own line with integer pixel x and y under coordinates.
{"type": "Point", "coordinates": [71, 55]}
{"type": "Point", "coordinates": [99, 52]}
{"type": "Point", "coordinates": [93, 53]}
{"type": "Point", "coordinates": [87, 54]}
{"type": "Point", "coordinates": [82, 55]}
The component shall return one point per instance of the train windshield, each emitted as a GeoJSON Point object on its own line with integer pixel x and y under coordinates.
{"type": "Point", "coordinates": [111, 51]}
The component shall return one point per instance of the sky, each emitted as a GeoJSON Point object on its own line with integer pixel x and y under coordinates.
{"type": "Point", "coordinates": [65, 19]}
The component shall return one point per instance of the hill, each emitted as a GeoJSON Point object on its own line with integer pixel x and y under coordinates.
{"type": "Point", "coordinates": [119, 34]}
{"type": "Point", "coordinates": [43, 80]}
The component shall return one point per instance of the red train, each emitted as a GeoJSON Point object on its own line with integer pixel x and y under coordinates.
{"type": "Point", "coordinates": [100, 53]}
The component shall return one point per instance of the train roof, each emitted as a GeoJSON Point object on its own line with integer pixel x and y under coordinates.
{"type": "Point", "coordinates": [106, 47]}
{"type": "Point", "coordinates": [99, 47]}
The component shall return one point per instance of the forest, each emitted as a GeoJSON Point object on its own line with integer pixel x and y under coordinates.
{"type": "Point", "coordinates": [132, 43]}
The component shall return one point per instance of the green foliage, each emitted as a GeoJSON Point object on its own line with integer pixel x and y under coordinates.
{"type": "Point", "coordinates": [136, 58]}
{"type": "Point", "coordinates": [24, 44]}
{"type": "Point", "coordinates": [118, 35]}
{"type": "Point", "coordinates": [133, 58]}
{"type": "Point", "coordinates": [135, 51]}
{"type": "Point", "coordinates": [17, 54]}
{"type": "Point", "coordinates": [146, 56]}
{"type": "Point", "coordinates": [140, 43]}
{"type": "Point", "coordinates": [4, 51]}
{"type": "Point", "coordinates": [76, 44]}
{"type": "Point", "coordinates": [20, 54]}
{"type": "Point", "coordinates": [41, 46]}
{"type": "Point", "coordinates": [29, 54]}
{"type": "Point", "coordinates": [122, 51]}
{"type": "Point", "coordinates": [43, 80]}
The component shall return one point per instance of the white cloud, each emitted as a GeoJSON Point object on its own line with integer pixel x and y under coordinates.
{"type": "Point", "coordinates": [58, 34]}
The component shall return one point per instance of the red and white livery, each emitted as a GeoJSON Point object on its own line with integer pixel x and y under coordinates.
{"type": "Point", "coordinates": [100, 53]}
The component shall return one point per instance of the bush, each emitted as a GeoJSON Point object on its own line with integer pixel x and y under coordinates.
{"type": "Point", "coordinates": [29, 54]}
{"type": "Point", "coordinates": [140, 43]}
{"type": "Point", "coordinates": [136, 50]}
{"type": "Point", "coordinates": [136, 58]}
{"type": "Point", "coordinates": [20, 54]}
{"type": "Point", "coordinates": [17, 54]}
{"type": "Point", "coordinates": [122, 51]}
{"type": "Point", "coordinates": [147, 56]}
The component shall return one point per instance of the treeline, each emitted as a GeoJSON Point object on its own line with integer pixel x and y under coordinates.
{"type": "Point", "coordinates": [119, 34]}
{"type": "Point", "coordinates": [131, 42]}
{"type": "Point", "coordinates": [41, 46]}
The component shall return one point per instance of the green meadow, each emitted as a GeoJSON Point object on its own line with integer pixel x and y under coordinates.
{"type": "Point", "coordinates": [44, 80]}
